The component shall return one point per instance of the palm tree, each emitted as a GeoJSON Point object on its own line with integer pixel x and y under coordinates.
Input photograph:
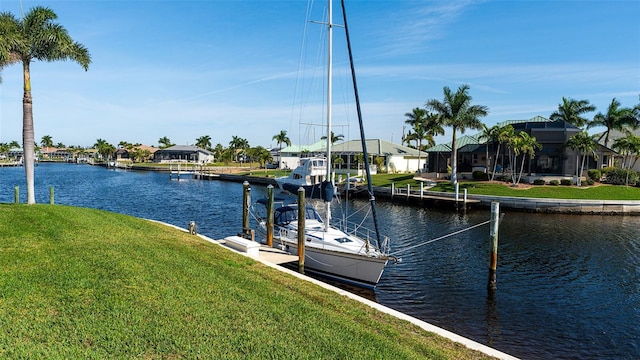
{"type": "Point", "coordinates": [204, 142]}
{"type": "Point", "coordinates": [46, 142]}
{"type": "Point", "coordinates": [165, 142]}
{"type": "Point", "coordinates": [409, 138]}
{"type": "Point", "coordinates": [60, 145]}
{"type": "Point", "coordinates": [4, 149]}
{"type": "Point", "coordinates": [9, 37]}
{"type": "Point", "coordinates": [585, 145]}
{"type": "Point", "coordinates": [521, 144]}
{"type": "Point", "coordinates": [456, 111]}
{"type": "Point", "coordinates": [571, 111]}
{"type": "Point", "coordinates": [425, 126]}
{"type": "Point", "coordinates": [498, 135]}
{"type": "Point", "coordinates": [38, 37]}
{"type": "Point", "coordinates": [629, 147]}
{"type": "Point", "coordinates": [334, 138]}
{"type": "Point", "coordinates": [238, 143]}
{"type": "Point", "coordinates": [280, 139]}
{"type": "Point", "coordinates": [261, 154]}
{"type": "Point", "coordinates": [104, 148]}
{"type": "Point", "coordinates": [234, 145]}
{"type": "Point", "coordinates": [617, 118]}
{"type": "Point", "coordinates": [217, 151]}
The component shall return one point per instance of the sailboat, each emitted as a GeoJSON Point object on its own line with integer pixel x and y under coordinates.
{"type": "Point", "coordinates": [341, 251]}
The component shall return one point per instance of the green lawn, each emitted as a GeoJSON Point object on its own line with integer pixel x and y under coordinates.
{"type": "Point", "coordinates": [600, 192]}
{"type": "Point", "coordinates": [83, 283]}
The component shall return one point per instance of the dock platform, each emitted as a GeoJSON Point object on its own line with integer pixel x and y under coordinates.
{"type": "Point", "coordinates": [276, 256]}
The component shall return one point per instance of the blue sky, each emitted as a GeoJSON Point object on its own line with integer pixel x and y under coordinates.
{"type": "Point", "coordinates": [184, 69]}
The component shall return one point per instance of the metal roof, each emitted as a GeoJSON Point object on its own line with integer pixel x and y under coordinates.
{"type": "Point", "coordinates": [374, 147]}
{"type": "Point", "coordinates": [318, 146]}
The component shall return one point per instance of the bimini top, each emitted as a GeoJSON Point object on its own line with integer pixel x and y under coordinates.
{"type": "Point", "coordinates": [289, 213]}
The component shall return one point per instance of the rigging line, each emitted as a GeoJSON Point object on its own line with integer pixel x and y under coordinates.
{"type": "Point", "coordinates": [441, 237]}
{"type": "Point", "coordinates": [372, 198]}
{"type": "Point", "coordinates": [300, 62]}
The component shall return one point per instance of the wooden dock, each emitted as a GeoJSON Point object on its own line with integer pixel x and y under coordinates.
{"type": "Point", "coordinates": [276, 256]}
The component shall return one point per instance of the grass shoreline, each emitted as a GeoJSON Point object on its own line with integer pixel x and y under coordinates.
{"type": "Point", "coordinates": [85, 283]}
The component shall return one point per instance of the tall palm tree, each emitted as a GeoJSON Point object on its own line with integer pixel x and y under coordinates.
{"type": "Point", "coordinates": [585, 145]}
{"type": "Point", "coordinates": [572, 110]}
{"type": "Point", "coordinates": [457, 112]}
{"type": "Point", "coordinates": [617, 118]}
{"type": "Point", "coordinates": [204, 142]}
{"type": "Point", "coordinates": [38, 37]}
{"type": "Point", "coordinates": [416, 119]}
{"type": "Point", "coordinates": [280, 139]}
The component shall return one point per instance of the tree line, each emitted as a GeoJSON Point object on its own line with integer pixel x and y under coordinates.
{"type": "Point", "coordinates": [457, 112]}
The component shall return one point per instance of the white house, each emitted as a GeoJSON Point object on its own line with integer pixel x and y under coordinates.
{"type": "Point", "coordinates": [393, 157]}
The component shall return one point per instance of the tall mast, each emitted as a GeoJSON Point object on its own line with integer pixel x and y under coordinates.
{"type": "Point", "coordinates": [329, 101]}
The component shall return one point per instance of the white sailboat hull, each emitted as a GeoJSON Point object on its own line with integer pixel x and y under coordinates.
{"type": "Point", "coordinates": [358, 269]}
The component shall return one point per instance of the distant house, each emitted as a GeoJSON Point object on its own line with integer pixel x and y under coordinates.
{"type": "Point", "coordinates": [141, 153]}
{"type": "Point", "coordinates": [186, 153]}
{"type": "Point", "coordinates": [613, 136]}
{"type": "Point", "coordinates": [553, 159]}
{"type": "Point", "coordinates": [393, 157]}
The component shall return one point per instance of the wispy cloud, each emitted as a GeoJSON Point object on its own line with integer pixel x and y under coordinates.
{"type": "Point", "coordinates": [413, 27]}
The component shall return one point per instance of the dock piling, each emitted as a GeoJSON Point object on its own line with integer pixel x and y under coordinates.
{"type": "Point", "coordinates": [270, 215]}
{"type": "Point", "coordinates": [301, 232]}
{"type": "Point", "coordinates": [51, 195]}
{"type": "Point", "coordinates": [493, 256]}
{"type": "Point", "coordinates": [246, 203]}
{"type": "Point", "coordinates": [16, 195]}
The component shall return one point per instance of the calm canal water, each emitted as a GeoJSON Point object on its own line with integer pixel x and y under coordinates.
{"type": "Point", "coordinates": [568, 286]}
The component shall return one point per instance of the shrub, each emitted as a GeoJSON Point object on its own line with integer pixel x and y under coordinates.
{"type": "Point", "coordinates": [480, 175]}
{"type": "Point", "coordinates": [589, 181]}
{"type": "Point", "coordinates": [554, 182]}
{"type": "Point", "coordinates": [539, 182]}
{"type": "Point", "coordinates": [503, 178]}
{"type": "Point", "coordinates": [618, 176]}
{"type": "Point", "coordinates": [594, 174]}
{"type": "Point", "coordinates": [566, 182]}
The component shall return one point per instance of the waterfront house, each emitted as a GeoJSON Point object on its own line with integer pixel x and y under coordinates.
{"type": "Point", "coordinates": [347, 156]}
{"type": "Point", "coordinates": [554, 159]}
{"type": "Point", "coordinates": [184, 153]}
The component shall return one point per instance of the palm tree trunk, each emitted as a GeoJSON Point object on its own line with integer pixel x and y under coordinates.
{"type": "Point", "coordinates": [495, 162]}
{"type": "Point", "coordinates": [454, 159]}
{"type": "Point", "coordinates": [28, 151]}
{"type": "Point", "coordinates": [521, 170]}
{"type": "Point", "coordinates": [579, 179]}
{"type": "Point", "coordinates": [486, 158]}
{"type": "Point", "coordinates": [419, 147]}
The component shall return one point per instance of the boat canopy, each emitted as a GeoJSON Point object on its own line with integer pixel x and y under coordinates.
{"type": "Point", "coordinates": [287, 214]}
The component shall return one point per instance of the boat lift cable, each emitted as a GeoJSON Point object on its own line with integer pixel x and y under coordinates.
{"type": "Point", "coordinates": [372, 198]}
{"type": "Point", "coordinates": [441, 237]}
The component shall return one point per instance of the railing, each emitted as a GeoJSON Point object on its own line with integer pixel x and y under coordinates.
{"type": "Point", "coordinates": [357, 230]}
